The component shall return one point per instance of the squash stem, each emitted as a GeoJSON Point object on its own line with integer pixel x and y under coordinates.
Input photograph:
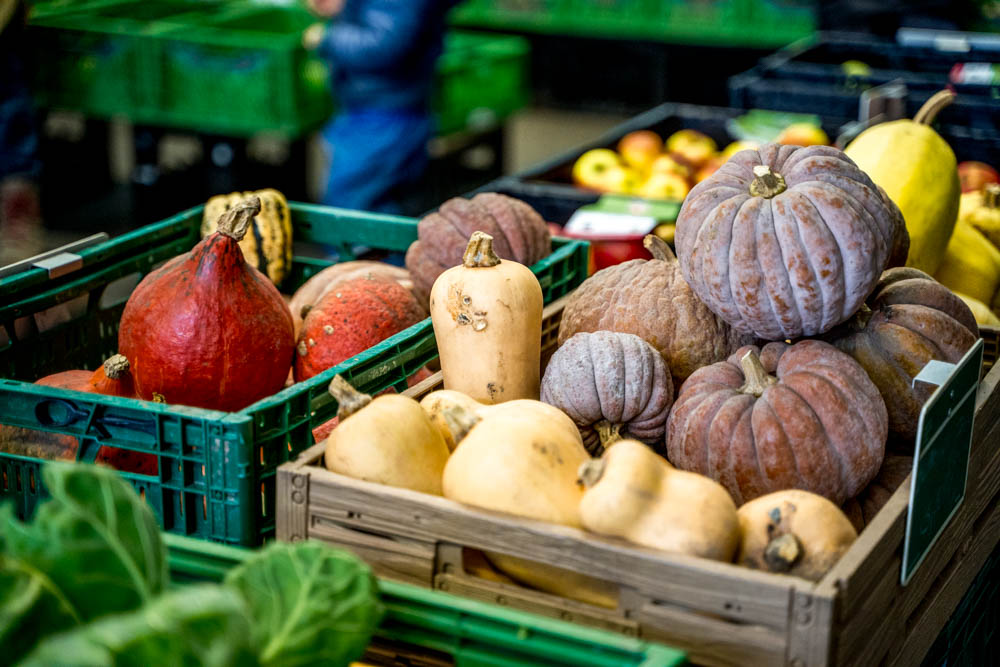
{"type": "Point", "coordinates": [479, 253]}
{"type": "Point", "coordinates": [608, 433]}
{"type": "Point", "coordinates": [460, 421]}
{"type": "Point", "coordinates": [933, 106]}
{"type": "Point", "coordinates": [349, 399]}
{"type": "Point", "coordinates": [658, 248]}
{"type": "Point", "coordinates": [757, 378]}
{"type": "Point", "coordinates": [115, 365]}
{"type": "Point", "coordinates": [782, 552]}
{"type": "Point", "coordinates": [590, 472]}
{"type": "Point", "coordinates": [991, 195]}
{"type": "Point", "coordinates": [235, 222]}
{"type": "Point", "coordinates": [862, 317]}
{"type": "Point", "coordinates": [766, 183]}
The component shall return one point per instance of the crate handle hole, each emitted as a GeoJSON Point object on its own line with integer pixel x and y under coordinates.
{"type": "Point", "coordinates": [57, 412]}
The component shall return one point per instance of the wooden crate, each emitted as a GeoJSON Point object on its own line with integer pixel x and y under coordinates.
{"type": "Point", "coordinates": [722, 614]}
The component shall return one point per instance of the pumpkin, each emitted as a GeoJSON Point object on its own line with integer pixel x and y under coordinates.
{"type": "Point", "coordinates": [350, 319]}
{"type": "Point", "coordinates": [112, 378]}
{"type": "Point", "coordinates": [519, 234]}
{"type": "Point", "coordinates": [793, 532]}
{"type": "Point", "coordinates": [634, 494]}
{"type": "Point", "coordinates": [487, 318]}
{"type": "Point", "coordinates": [861, 510]}
{"type": "Point", "coordinates": [333, 277]}
{"type": "Point", "coordinates": [971, 264]}
{"type": "Point", "coordinates": [387, 440]}
{"type": "Point", "coordinates": [268, 245]}
{"type": "Point", "coordinates": [820, 425]}
{"type": "Point", "coordinates": [650, 298]}
{"type": "Point", "coordinates": [608, 383]}
{"type": "Point", "coordinates": [786, 241]}
{"type": "Point", "coordinates": [908, 320]}
{"type": "Point", "coordinates": [446, 407]}
{"type": "Point", "coordinates": [206, 329]}
{"type": "Point", "coordinates": [917, 169]}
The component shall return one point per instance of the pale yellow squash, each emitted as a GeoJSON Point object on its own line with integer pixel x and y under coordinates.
{"type": "Point", "coordinates": [981, 209]}
{"type": "Point", "coordinates": [984, 316]}
{"type": "Point", "coordinates": [971, 264]}
{"type": "Point", "coordinates": [487, 317]}
{"type": "Point", "coordinates": [793, 532]}
{"type": "Point", "coordinates": [637, 495]}
{"type": "Point", "coordinates": [918, 170]}
{"type": "Point", "coordinates": [388, 440]}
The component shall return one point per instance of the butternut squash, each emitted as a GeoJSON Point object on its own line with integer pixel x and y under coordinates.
{"type": "Point", "coordinates": [793, 532]}
{"type": "Point", "coordinates": [388, 440]}
{"type": "Point", "coordinates": [487, 318]}
{"type": "Point", "coordinates": [637, 495]}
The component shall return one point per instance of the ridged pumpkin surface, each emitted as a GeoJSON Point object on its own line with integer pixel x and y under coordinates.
{"type": "Point", "coordinates": [518, 232]}
{"type": "Point", "coordinates": [610, 381]}
{"type": "Point", "coordinates": [787, 241]}
{"type": "Point", "coordinates": [651, 299]}
{"type": "Point", "coordinates": [820, 426]}
{"type": "Point", "coordinates": [909, 320]}
{"type": "Point", "coordinates": [350, 319]}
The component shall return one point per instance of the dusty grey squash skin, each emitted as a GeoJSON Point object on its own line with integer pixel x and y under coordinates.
{"type": "Point", "coordinates": [613, 379]}
{"type": "Point", "coordinates": [519, 233]}
{"type": "Point", "coordinates": [793, 260]}
{"type": "Point", "coordinates": [651, 299]}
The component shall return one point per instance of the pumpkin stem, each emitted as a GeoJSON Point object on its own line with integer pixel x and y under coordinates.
{"type": "Point", "coordinates": [590, 472]}
{"type": "Point", "coordinates": [782, 552]}
{"type": "Point", "coordinates": [658, 248]}
{"type": "Point", "coordinates": [757, 378]}
{"type": "Point", "coordinates": [235, 222]}
{"type": "Point", "coordinates": [766, 183]}
{"type": "Point", "coordinates": [991, 195]}
{"type": "Point", "coordinates": [349, 399]}
{"type": "Point", "coordinates": [460, 421]}
{"type": "Point", "coordinates": [479, 253]}
{"type": "Point", "coordinates": [608, 433]}
{"type": "Point", "coordinates": [932, 107]}
{"type": "Point", "coordinates": [115, 365]}
{"type": "Point", "coordinates": [862, 317]}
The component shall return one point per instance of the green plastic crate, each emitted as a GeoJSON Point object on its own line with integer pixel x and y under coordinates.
{"type": "Point", "coordinates": [470, 633]}
{"type": "Point", "coordinates": [216, 477]}
{"type": "Point", "coordinates": [481, 79]}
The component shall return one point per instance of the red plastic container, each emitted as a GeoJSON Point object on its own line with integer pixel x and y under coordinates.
{"type": "Point", "coordinates": [608, 250]}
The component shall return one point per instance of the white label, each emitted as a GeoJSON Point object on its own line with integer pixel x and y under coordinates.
{"type": "Point", "coordinates": [600, 223]}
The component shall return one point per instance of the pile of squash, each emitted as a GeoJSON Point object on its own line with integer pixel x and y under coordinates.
{"type": "Point", "coordinates": [747, 399]}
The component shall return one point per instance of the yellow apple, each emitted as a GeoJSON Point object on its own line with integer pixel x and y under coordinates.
{"type": "Point", "coordinates": [667, 165]}
{"type": "Point", "coordinates": [803, 134]}
{"type": "Point", "coordinates": [664, 185]}
{"type": "Point", "coordinates": [666, 231]}
{"type": "Point", "coordinates": [590, 169]}
{"type": "Point", "coordinates": [640, 148]}
{"type": "Point", "coordinates": [737, 146]}
{"type": "Point", "coordinates": [620, 180]}
{"type": "Point", "coordinates": [691, 146]}
{"type": "Point", "coordinates": [709, 168]}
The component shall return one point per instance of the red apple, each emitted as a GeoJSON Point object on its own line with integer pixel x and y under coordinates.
{"type": "Point", "coordinates": [691, 147]}
{"type": "Point", "coordinates": [974, 175]}
{"type": "Point", "coordinates": [640, 148]}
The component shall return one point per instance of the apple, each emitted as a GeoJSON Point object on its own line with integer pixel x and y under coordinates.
{"type": "Point", "coordinates": [737, 146]}
{"type": "Point", "coordinates": [590, 169]}
{"type": "Point", "coordinates": [666, 231]}
{"type": "Point", "coordinates": [691, 147]}
{"type": "Point", "coordinates": [975, 175]}
{"type": "Point", "coordinates": [709, 168]}
{"type": "Point", "coordinates": [620, 179]}
{"type": "Point", "coordinates": [803, 134]}
{"type": "Point", "coordinates": [640, 148]}
{"type": "Point", "coordinates": [667, 165]}
{"type": "Point", "coordinates": [664, 185]}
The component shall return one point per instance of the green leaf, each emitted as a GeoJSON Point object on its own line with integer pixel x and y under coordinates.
{"type": "Point", "coordinates": [31, 607]}
{"type": "Point", "coordinates": [310, 604]}
{"type": "Point", "coordinates": [197, 625]}
{"type": "Point", "coordinates": [95, 539]}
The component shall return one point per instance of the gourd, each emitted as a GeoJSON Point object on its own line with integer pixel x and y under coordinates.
{"type": "Point", "coordinates": [351, 318]}
{"type": "Point", "coordinates": [610, 383]}
{"type": "Point", "coordinates": [487, 318]}
{"type": "Point", "coordinates": [634, 494]}
{"type": "Point", "coordinates": [908, 320]}
{"type": "Point", "coordinates": [650, 298]}
{"type": "Point", "coordinates": [387, 440]}
{"type": "Point", "coordinates": [206, 329]}
{"type": "Point", "coordinates": [981, 209]}
{"type": "Point", "coordinates": [861, 510]}
{"type": "Point", "coordinates": [917, 169]}
{"type": "Point", "coordinates": [971, 264]}
{"type": "Point", "coordinates": [787, 241]}
{"type": "Point", "coordinates": [518, 232]}
{"type": "Point", "coordinates": [333, 277]}
{"type": "Point", "coordinates": [444, 406]}
{"type": "Point", "coordinates": [793, 532]}
{"type": "Point", "coordinates": [268, 245]}
{"type": "Point", "coordinates": [112, 378]}
{"type": "Point", "coordinates": [820, 425]}
{"type": "Point", "coordinates": [984, 316]}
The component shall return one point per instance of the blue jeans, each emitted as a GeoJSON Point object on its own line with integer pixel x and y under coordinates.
{"type": "Point", "coordinates": [373, 153]}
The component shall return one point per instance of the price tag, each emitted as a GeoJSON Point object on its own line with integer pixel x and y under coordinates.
{"type": "Point", "coordinates": [941, 458]}
{"type": "Point", "coordinates": [590, 222]}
